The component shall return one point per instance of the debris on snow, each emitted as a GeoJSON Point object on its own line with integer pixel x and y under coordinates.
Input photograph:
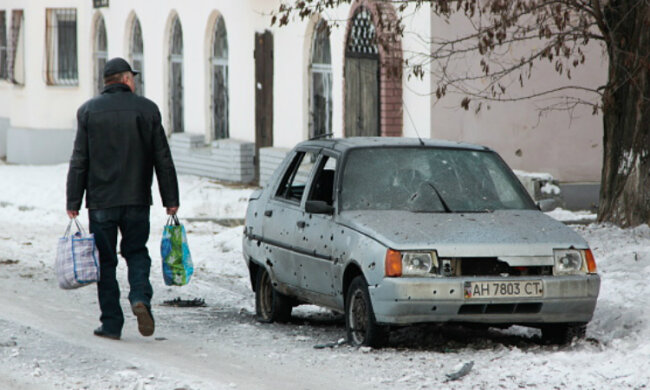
{"type": "Point", "coordinates": [464, 370]}
{"type": "Point", "coordinates": [9, 343]}
{"type": "Point", "coordinates": [178, 302]}
{"type": "Point", "coordinates": [334, 344]}
{"type": "Point", "coordinates": [418, 358]}
{"type": "Point", "coordinates": [9, 262]}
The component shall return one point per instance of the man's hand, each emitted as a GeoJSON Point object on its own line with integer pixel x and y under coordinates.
{"type": "Point", "coordinates": [73, 213]}
{"type": "Point", "coordinates": [172, 210]}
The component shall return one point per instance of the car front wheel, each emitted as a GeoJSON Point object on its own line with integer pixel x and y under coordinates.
{"type": "Point", "coordinates": [361, 326]}
{"type": "Point", "coordinates": [270, 305]}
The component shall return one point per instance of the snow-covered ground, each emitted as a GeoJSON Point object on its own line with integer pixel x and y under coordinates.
{"type": "Point", "coordinates": [46, 339]}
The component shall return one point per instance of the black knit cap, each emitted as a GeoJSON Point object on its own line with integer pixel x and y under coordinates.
{"type": "Point", "coordinates": [117, 65]}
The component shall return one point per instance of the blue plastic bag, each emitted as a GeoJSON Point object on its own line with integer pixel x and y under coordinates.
{"type": "Point", "coordinates": [177, 264]}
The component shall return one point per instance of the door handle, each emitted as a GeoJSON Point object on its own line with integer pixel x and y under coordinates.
{"type": "Point", "coordinates": [301, 224]}
{"type": "Point", "coordinates": [268, 213]}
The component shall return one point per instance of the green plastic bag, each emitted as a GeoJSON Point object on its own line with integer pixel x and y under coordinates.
{"type": "Point", "coordinates": [177, 264]}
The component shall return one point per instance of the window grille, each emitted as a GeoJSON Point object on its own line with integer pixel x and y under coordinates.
{"type": "Point", "coordinates": [137, 55]}
{"type": "Point", "coordinates": [321, 81]}
{"type": "Point", "coordinates": [362, 39]}
{"type": "Point", "coordinates": [61, 41]}
{"type": "Point", "coordinates": [100, 3]}
{"type": "Point", "coordinates": [4, 74]}
{"type": "Point", "coordinates": [100, 55]}
{"type": "Point", "coordinates": [176, 77]}
{"type": "Point", "coordinates": [219, 62]}
{"type": "Point", "coordinates": [15, 60]}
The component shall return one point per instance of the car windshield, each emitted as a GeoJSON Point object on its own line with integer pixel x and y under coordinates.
{"type": "Point", "coordinates": [429, 179]}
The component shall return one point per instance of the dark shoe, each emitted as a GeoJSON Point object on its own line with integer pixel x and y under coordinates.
{"type": "Point", "coordinates": [142, 312]}
{"type": "Point", "coordinates": [102, 333]}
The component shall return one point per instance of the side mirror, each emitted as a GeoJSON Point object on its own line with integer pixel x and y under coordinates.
{"type": "Point", "coordinates": [318, 207]}
{"type": "Point", "coordinates": [546, 205]}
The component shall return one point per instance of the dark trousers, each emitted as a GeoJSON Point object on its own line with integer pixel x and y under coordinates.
{"type": "Point", "coordinates": [133, 223]}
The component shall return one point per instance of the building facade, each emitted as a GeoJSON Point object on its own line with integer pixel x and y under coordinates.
{"type": "Point", "coordinates": [235, 92]}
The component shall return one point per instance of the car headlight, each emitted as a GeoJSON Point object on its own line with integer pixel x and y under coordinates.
{"type": "Point", "coordinates": [410, 263]}
{"type": "Point", "coordinates": [569, 262]}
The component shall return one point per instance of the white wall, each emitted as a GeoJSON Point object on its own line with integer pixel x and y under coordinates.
{"type": "Point", "coordinates": [293, 45]}
{"type": "Point", "coordinates": [56, 105]}
{"type": "Point", "coordinates": [567, 145]}
{"type": "Point", "coordinates": [416, 92]}
{"type": "Point", "coordinates": [36, 105]}
{"type": "Point", "coordinates": [569, 149]}
{"type": "Point", "coordinates": [196, 21]}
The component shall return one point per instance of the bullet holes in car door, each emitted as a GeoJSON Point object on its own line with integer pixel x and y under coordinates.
{"type": "Point", "coordinates": [281, 214]}
{"type": "Point", "coordinates": [314, 232]}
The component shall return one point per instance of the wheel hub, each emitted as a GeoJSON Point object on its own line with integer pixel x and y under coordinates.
{"type": "Point", "coordinates": [266, 293]}
{"type": "Point", "coordinates": [358, 317]}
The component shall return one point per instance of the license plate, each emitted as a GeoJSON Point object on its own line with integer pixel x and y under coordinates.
{"type": "Point", "coordinates": [504, 289]}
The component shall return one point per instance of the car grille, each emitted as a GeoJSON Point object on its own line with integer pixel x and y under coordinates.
{"type": "Point", "coordinates": [501, 308]}
{"type": "Point", "coordinates": [490, 266]}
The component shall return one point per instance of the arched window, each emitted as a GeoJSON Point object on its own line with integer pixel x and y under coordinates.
{"type": "Point", "coordinates": [100, 54]}
{"type": "Point", "coordinates": [176, 76]}
{"type": "Point", "coordinates": [219, 76]}
{"type": "Point", "coordinates": [321, 82]}
{"type": "Point", "coordinates": [136, 52]}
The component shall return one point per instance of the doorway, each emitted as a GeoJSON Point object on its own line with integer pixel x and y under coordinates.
{"type": "Point", "coordinates": [362, 77]}
{"type": "Point", "coordinates": [263, 94]}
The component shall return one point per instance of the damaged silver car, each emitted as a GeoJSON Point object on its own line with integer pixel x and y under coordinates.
{"type": "Point", "coordinates": [397, 231]}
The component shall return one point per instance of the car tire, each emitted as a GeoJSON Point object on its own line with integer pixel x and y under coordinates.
{"type": "Point", "coordinates": [562, 334]}
{"type": "Point", "coordinates": [270, 305]}
{"type": "Point", "coordinates": [360, 324]}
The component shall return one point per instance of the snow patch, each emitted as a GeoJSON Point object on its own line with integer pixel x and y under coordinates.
{"type": "Point", "coordinates": [44, 350]}
{"type": "Point", "coordinates": [534, 175]}
{"type": "Point", "coordinates": [566, 215]}
{"type": "Point", "coordinates": [630, 160]}
{"type": "Point", "coordinates": [550, 189]}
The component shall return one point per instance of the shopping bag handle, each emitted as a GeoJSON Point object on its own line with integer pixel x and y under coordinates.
{"type": "Point", "coordinates": [173, 220]}
{"type": "Point", "coordinates": [79, 227]}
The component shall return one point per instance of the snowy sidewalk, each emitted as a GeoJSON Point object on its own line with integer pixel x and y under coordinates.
{"type": "Point", "coordinates": [46, 337]}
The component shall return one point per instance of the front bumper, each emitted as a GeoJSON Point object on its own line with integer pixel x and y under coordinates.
{"type": "Point", "coordinates": [412, 300]}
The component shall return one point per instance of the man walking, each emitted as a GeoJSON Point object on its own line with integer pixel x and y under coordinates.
{"type": "Point", "coordinates": [120, 141]}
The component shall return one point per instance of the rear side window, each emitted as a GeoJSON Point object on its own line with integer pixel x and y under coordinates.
{"type": "Point", "coordinates": [294, 180]}
{"type": "Point", "coordinates": [323, 186]}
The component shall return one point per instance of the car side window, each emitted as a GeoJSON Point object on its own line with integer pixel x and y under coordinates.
{"type": "Point", "coordinates": [295, 178]}
{"type": "Point", "coordinates": [323, 187]}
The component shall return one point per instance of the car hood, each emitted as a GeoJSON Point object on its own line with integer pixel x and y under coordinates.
{"type": "Point", "coordinates": [498, 233]}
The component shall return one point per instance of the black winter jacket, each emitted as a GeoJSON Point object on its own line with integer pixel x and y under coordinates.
{"type": "Point", "coordinates": [120, 141]}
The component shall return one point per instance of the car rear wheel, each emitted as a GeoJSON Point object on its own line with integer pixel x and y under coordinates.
{"type": "Point", "coordinates": [561, 334]}
{"type": "Point", "coordinates": [270, 305]}
{"type": "Point", "coordinates": [361, 326]}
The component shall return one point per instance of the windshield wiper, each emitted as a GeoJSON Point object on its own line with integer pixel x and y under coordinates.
{"type": "Point", "coordinates": [444, 204]}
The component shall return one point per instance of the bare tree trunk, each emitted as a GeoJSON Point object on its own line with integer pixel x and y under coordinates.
{"type": "Point", "coordinates": [625, 187]}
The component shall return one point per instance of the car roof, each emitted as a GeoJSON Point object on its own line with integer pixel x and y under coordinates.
{"type": "Point", "coordinates": [344, 144]}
